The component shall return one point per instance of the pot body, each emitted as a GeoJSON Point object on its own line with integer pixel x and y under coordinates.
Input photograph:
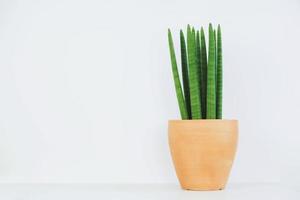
{"type": "Point", "coordinates": [203, 152]}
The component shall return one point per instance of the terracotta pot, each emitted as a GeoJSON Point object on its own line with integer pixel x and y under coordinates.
{"type": "Point", "coordinates": [203, 152]}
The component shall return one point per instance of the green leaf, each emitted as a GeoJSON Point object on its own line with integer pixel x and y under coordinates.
{"type": "Point", "coordinates": [211, 77]}
{"type": "Point", "coordinates": [202, 86]}
{"type": "Point", "coordinates": [203, 63]}
{"type": "Point", "coordinates": [219, 73]}
{"type": "Point", "coordinates": [215, 38]}
{"type": "Point", "coordinates": [193, 75]}
{"type": "Point", "coordinates": [178, 88]}
{"type": "Point", "coordinates": [185, 74]}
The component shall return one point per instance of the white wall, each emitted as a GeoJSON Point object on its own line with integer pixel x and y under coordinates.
{"type": "Point", "coordinates": [86, 87]}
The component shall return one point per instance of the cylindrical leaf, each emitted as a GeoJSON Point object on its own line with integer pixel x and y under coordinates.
{"type": "Point", "coordinates": [193, 75]}
{"type": "Point", "coordinates": [203, 61]}
{"type": "Point", "coordinates": [211, 77]}
{"type": "Point", "coordinates": [178, 88]}
{"type": "Point", "coordinates": [185, 74]}
{"type": "Point", "coordinates": [219, 73]}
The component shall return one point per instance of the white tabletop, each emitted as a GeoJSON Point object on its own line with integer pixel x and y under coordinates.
{"type": "Point", "coordinates": [47, 191]}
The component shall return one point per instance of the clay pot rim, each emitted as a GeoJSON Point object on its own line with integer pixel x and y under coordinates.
{"type": "Point", "coordinates": [203, 120]}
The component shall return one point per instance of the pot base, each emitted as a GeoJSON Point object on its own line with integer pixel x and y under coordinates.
{"type": "Point", "coordinates": [202, 189]}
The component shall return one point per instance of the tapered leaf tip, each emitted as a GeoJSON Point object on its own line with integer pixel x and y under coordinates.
{"type": "Point", "coordinates": [202, 31]}
{"type": "Point", "coordinates": [210, 27]}
{"type": "Point", "coordinates": [188, 28]}
{"type": "Point", "coordinates": [169, 34]}
{"type": "Point", "coordinates": [219, 28]}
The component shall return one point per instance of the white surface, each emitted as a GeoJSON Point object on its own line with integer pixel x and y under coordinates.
{"type": "Point", "coordinates": [86, 87]}
{"type": "Point", "coordinates": [144, 192]}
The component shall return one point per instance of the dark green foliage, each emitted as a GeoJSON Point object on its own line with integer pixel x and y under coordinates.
{"type": "Point", "coordinates": [181, 102]}
{"type": "Point", "coordinates": [200, 73]}
{"type": "Point", "coordinates": [219, 73]}
{"type": "Point", "coordinates": [203, 61]}
{"type": "Point", "coordinates": [185, 75]}
{"type": "Point", "coordinates": [193, 75]}
{"type": "Point", "coordinates": [216, 61]}
{"type": "Point", "coordinates": [211, 77]}
{"type": "Point", "coordinates": [201, 76]}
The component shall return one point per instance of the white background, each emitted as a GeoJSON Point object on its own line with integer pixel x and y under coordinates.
{"type": "Point", "coordinates": [86, 88]}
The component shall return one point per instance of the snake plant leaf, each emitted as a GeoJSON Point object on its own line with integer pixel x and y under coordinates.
{"type": "Point", "coordinates": [219, 73]}
{"type": "Point", "coordinates": [185, 74]}
{"type": "Point", "coordinates": [216, 61]}
{"type": "Point", "coordinates": [178, 88]}
{"type": "Point", "coordinates": [200, 72]}
{"type": "Point", "coordinates": [216, 64]}
{"type": "Point", "coordinates": [193, 75]}
{"type": "Point", "coordinates": [211, 77]}
{"type": "Point", "coordinates": [203, 63]}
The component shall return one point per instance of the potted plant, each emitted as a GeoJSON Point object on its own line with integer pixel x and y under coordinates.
{"type": "Point", "coordinates": [202, 144]}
